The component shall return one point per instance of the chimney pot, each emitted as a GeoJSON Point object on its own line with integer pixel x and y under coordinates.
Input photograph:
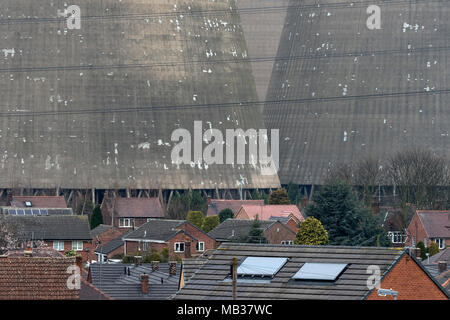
{"type": "Point", "coordinates": [144, 283]}
{"type": "Point", "coordinates": [442, 266]}
{"type": "Point", "coordinates": [173, 268]}
{"type": "Point", "coordinates": [155, 265]}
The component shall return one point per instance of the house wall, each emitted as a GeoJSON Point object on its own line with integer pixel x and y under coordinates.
{"type": "Point", "coordinates": [416, 231]}
{"type": "Point", "coordinates": [293, 225]}
{"type": "Point", "coordinates": [410, 281]}
{"type": "Point", "coordinates": [279, 232]}
{"type": "Point", "coordinates": [103, 239]}
{"type": "Point", "coordinates": [68, 246]}
{"type": "Point", "coordinates": [210, 243]}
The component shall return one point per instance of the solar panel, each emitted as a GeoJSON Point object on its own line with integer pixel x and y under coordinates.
{"type": "Point", "coordinates": [320, 271]}
{"type": "Point", "coordinates": [28, 212]}
{"type": "Point", "coordinates": [44, 211]}
{"type": "Point", "coordinates": [12, 211]}
{"type": "Point", "coordinates": [36, 211]}
{"type": "Point", "coordinates": [260, 266]}
{"type": "Point", "coordinates": [20, 211]}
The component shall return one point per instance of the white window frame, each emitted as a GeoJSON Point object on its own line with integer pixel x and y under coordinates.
{"type": "Point", "coordinates": [287, 242]}
{"type": "Point", "coordinates": [129, 222]}
{"type": "Point", "coordinates": [177, 246]}
{"type": "Point", "coordinates": [144, 246]}
{"type": "Point", "coordinates": [395, 235]}
{"type": "Point", "coordinates": [57, 245]}
{"type": "Point", "coordinates": [440, 242]}
{"type": "Point", "coordinates": [76, 245]}
{"type": "Point", "coordinates": [202, 245]}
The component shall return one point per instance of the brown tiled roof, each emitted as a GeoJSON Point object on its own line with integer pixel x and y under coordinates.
{"type": "Point", "coordinates": [35, 278]}
{"type": "Point", "coordinates": [218, 205]}
{"type": "Point", "coordinates": [39, 201]}
{"type": "Point", "coordinates": [268, 211]}
{"type": "Point", "coordinates": [435, 223]}
{"type": "Point", "coordinates": [138, 208]}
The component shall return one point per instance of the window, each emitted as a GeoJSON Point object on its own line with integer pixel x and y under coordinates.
{"type": "Point", "coordinates": [397, 236]}
{"type": "Point", "coordinates": [77, 245]}
{"type": "Point", "coordinates": [200, 246]}
{"type": "Point", "coordinates": [126, 222]}
{"type": "Point", "coordinates": [144, 246]}
{"type": "Point", "coordinates": [288, 242]}
{"type": "Point", "coordinates": [440, 242]}
{"type": "Point", "coordinates": [58, 245]}
{"type": "Point", "coordinates": [179, 246]}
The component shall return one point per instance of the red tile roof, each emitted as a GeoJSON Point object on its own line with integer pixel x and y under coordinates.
{"type": "Point", "coordinates": [39, 201]}
{"type": "Point", "coordinates": [217, 205]}
{"type": "Point", "coordinates": [435, 223]}
{"type": "Point", "coordinates": [267, 211]}
{"type": "Point", "coordinates": [35, 278]}
{"type": "Point", "coordinates": [138, 208]}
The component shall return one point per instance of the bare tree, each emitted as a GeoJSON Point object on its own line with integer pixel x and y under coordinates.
{"type": "Point", "coordinates": [420, 177]}
{"type": "Point", "coordinates": [8, 234]}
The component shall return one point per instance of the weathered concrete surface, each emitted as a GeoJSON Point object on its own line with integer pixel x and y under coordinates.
{"type": "Point", "coordinates": [95, 107]}
{"type": "Point", "coordinates": [262, 22]}
{"type": "Point", "coordinates": [346, 92]}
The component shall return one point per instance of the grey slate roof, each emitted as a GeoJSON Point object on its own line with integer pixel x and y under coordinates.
{"type": "Point", "coordinates": [207, 282]}
{"type": "Point", "coordinates": [443, 255]}
{"type": "Point", "coordinates": [98, 230]}
{"type": "Point", "coordinates": [232, 229]}
{"type": "Point", "coordinates": [156, 229]}
{"type": "Point", "coordinates": [52, 227]}
{"type": "Point", "coordinates": [110, 278]}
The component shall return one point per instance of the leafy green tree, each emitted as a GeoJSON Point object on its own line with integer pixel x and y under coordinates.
{"type": "Point", "coordinates": [347, 222]}
{"type": "Point", "coordinates": [423, 250]}
{"type": "Point", "coordinates": [196, 218]}
{"type": "Point", "coordinates": [311, 232]}
{"type": "Point", "coordinates": [164, 255]}
{"type": "Point", "coordinates": [225, 214]}
{"type": "Point", "coordinates": [96, 217]}
{"type": "Point", "coordinates": [210, 222]}
{"type": "Point", "coordinates": [433, 248]}
{"type": "Point", "coordinates": [279, 196]}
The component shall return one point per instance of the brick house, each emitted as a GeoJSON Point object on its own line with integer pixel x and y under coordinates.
{"type": "Point", "coordinates": [61, 232]}
{"type": "Point", "coordinates": [266, 271]}
{"type": "Point", "coordinates": [107, 242]}
{"type": "Point", "coordinates": [428, 226]}
{"type": "Point", "coordinates": [234, 229]}
{"type": "Point", "coordinates": [290, 215]}
{"type": "Point", "coordinates": [54, 202]}
{"type": "Point", "coordinates": [182, 238]}
{"type": "Point", "coordinates": [217, 205]}
{"type": "Point", "coordinates": [130, 212]}
{"type": "Point", "coordinates": [36, 205]}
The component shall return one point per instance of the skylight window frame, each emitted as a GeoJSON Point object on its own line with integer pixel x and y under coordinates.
{"type": "Point", "coordinates": [261, 275]}
{"type": "Point", "coordinates": [318, 278]}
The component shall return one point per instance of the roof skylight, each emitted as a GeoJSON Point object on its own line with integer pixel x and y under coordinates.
{"type": "Point", "coordinates": [261, 266]}
{"type": "Point", "coordinates": [320, 271]}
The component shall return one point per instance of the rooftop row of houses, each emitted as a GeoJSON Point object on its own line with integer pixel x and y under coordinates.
{"type": "Point", "coordinates": [203, 252]}
{"type": "Point", "coordinates": [263, 271]}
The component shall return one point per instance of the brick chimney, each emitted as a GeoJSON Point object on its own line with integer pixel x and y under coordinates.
{"type": "Point", "coordinates": [144, 283]}
{"type": "Point", "coordinates": [173, 268]}
{"type": "Point", "coordinates": [155, 265]}
{"type": "Point", "coordinates": [79, 262]}
{"type": "Point", "coordinates": [28, 252]}
{"type": "Point", "coordinates": [442, 266]}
